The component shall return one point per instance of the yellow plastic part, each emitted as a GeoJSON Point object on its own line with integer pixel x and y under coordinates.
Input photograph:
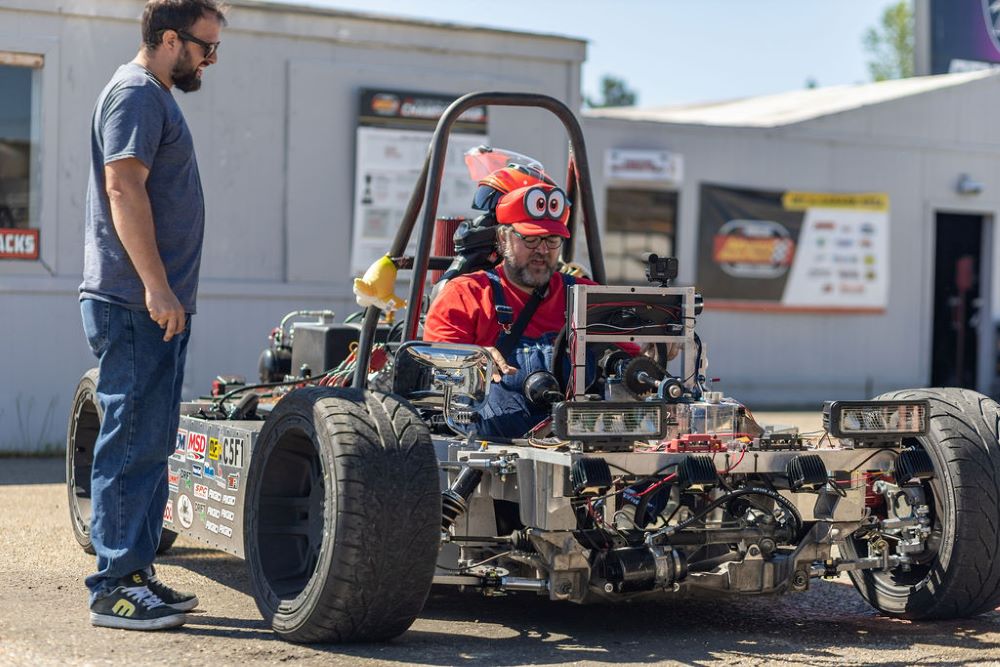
{"type": "Point", "coordinates": [375, 288]}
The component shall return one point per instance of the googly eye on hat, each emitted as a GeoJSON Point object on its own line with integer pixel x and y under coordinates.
{"type": "Point", "coordinates": [535, 210]}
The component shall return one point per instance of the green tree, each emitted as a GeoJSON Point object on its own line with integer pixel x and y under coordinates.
{"type": "Point", "coordinates": [614, 93]}
{"type": "Point", "coordinates": [890, 45]}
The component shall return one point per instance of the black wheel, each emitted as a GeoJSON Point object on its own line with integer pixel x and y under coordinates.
{"type": "Point", "coordinates": [958, 575]}
{"type": "Point", "coordinates": [81, 436]}
{"type": "Point", "coordinates": [342, 518]}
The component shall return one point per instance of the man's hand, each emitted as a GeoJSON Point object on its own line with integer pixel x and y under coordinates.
{"type": "Point", "coordinates": [500, 366]}
{"type": "Point", "coordinates": [167, 311]}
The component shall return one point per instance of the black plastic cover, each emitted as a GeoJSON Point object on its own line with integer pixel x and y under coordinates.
{"type": "Point", "coordinates": [914, 463]}
{"type": "Point", "coordinates": [696, 473]}
{"type": "Point", "coordinates": [806, 472]}
{"type": "Point", "coordinates": [591, 476]}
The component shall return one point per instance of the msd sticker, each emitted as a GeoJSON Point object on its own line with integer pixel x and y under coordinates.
{"type": "Point", "coordinates": [197, 443]}
{"type": "Point", "coordinates": [168, 513]}
{"type": "Point", "coordinates": [753, 249]}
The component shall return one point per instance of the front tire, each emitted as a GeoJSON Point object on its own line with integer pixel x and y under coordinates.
{"type": "Point", "coordinates": [343, 516]}
{"type": "Point", "coordinates": [959, 576]}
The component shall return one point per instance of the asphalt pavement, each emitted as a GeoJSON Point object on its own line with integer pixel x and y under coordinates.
{"type": "Point", "coordinates": [44, 618]}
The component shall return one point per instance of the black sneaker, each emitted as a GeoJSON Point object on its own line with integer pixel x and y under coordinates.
{"type": "Point", "coordinates": [178, 600]}
{"type": "Point", "coordinates": [132, 606]}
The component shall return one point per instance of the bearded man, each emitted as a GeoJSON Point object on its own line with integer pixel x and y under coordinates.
{"type": "Point", "coordinates": [483, 308]}
{"type": "Point", "coordinates": [142, 253]}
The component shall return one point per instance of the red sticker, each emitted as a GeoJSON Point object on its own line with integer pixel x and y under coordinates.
{"type": "Point", "coordinates": [196, 446]}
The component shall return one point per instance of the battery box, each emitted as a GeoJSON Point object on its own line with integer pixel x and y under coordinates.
{"type": "Point", "coordinates": [322, 346]}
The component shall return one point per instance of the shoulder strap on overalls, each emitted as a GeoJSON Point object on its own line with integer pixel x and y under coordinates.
{"type": "Point", "coordinates": [511, 333]}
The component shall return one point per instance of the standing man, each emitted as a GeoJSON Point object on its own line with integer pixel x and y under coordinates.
{"type": "Point", "coordinates": [145, 224]}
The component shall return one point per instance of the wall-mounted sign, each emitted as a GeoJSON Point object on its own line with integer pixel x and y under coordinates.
{"type": "Point", "coordinates": [394, 132]}
{"type": "Point", "coordinates": [643, 165]}
{"type": "Point", "coordinates": [963, 35]}
{"type": "Point", "coordinates": [18, 243]}
{"type": "Point", "coordinates": [793, 250]}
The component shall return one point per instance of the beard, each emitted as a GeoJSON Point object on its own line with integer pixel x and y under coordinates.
{"type": "Point", "coordinates": [530, 274]}
{"type": "Point", "coordinates": [185, 74]}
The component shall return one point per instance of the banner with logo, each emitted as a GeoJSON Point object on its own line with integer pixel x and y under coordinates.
{"type": "Point", "coordinates": [963, 35]}
{"type": "Point", "coordinates": [394, 132]}
{"type": "Point", "coordinates": [776, 250]}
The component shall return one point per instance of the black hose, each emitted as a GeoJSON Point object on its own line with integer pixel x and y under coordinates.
{"type": "Point", "coordinates": [756, 491]}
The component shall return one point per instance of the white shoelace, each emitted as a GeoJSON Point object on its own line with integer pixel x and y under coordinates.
{"type": "Point", "coordinates": [143, 595]}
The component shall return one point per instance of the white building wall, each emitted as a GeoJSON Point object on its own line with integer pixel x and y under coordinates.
{"type": "Point", "coordinates": [274, 130]}
{"type": "Point", "coordinates": [914, 149]}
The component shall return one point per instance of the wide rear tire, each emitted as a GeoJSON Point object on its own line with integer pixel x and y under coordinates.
{"type": "Point", "coordinates": [81, 437]}
{"type": "Point", "coordinates": [342, 519]}
{"type": "Point", "coordinates": [959, 575]}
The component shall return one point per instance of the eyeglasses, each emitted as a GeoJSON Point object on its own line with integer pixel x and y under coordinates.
{"type": "Point", "coordinates": [532, 242]}
{"type": "Point", "coordinates": [208, 47]}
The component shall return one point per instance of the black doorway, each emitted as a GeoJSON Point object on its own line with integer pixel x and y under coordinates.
{"type": "Point", "coordinates": [956, 300]}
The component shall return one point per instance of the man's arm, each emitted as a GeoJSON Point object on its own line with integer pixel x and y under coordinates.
{"type": "Point", "coordinates": [451, 319]}
{"type": "Point", "coordinates": [132, 214]}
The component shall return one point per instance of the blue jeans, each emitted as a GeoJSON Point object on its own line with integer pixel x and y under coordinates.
{"type": "Point", "coordinates": [139, 391]}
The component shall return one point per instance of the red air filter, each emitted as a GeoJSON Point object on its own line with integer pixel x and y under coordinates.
{"type": "Point", "coordinates": [444, 242]}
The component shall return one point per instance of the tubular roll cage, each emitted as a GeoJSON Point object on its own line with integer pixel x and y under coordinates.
{"type": "Point", "coordinates": [428, 188]}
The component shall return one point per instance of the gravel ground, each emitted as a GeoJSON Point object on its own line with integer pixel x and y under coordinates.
{"type": "Point", "coordinates": [44, 620]}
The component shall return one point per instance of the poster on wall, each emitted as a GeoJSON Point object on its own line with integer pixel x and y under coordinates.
{"type": "Point", "coordinates": [394, 132]}
{"type": "Point", "coordinates": [796, 251]}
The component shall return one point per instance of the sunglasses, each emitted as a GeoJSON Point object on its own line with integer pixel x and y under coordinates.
{"type": "Point", "coordinates": [208, 47]}
{"type": "Point", "coordinates": [532, 242]}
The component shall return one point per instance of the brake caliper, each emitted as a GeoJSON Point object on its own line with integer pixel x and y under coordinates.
{"type": "Point", "coordinates": [907, 522]}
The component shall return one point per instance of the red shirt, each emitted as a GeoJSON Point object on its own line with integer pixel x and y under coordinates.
{"type": "Point", "coordinates": [464, 311]}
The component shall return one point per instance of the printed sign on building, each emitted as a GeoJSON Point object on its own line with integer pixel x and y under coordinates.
{"type": "Point", "coordinates": [394, 131]}
{"type": "Point", "coordinates": [643, 165]}
{"type": "Point", "coordinates": [793, 250]}
{"type": "Point", "coordinates": [18, 243]}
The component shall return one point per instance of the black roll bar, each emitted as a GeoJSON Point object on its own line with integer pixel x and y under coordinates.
{"type": "Point", "coordinates": [428, 189]}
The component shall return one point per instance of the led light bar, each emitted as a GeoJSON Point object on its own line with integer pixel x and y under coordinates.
{"type": "Point", "coordinates": [606, 420]}
{"type": "Point", "coordinates": [876, 419]}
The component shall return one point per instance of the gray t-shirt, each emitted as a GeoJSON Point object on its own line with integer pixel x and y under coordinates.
{"type": "Point", "coordinates": [137, 117]}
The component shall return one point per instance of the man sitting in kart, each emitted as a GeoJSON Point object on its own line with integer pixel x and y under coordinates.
{"type": "Point", "coordinates": [484, 307]}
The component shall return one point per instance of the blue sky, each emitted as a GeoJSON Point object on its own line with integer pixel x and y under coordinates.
{"type": "Point", "coordinates": [679, 51]}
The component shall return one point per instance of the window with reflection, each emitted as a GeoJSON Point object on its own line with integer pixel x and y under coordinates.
{"type": "Point", "coordinates": [638, 222]}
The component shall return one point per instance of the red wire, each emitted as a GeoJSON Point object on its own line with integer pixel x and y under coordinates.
{"type": "Point", "coordinates": [663, 481]}
{"type": "Point", "coordinates": [671, 476]}
{"type": "Point", "coordinates": [742, 454]}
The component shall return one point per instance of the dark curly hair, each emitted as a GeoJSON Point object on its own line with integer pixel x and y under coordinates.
{"type": "Point", "coordinates": [160, 15]}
